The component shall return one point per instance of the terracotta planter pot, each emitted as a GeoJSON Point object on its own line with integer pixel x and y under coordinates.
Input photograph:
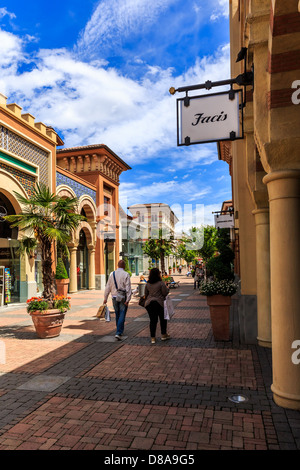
{"type": "Point", "coordinates": [219, 307]}
{"type": "Point", "coordinates": [48, 324]}
{"type": "Point", "coordinates": [62, 286]}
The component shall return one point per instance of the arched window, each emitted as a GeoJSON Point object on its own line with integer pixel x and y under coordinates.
{"type": "Point", "coordinates": [6, 208]}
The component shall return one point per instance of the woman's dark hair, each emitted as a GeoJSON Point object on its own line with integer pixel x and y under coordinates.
{"type": "Point", "coordinates": [154, 276]}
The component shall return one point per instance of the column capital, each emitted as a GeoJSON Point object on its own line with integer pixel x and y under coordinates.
{"type": "Point", "coordinates": [281, 174]}
{"type": "Point", "coordinates": [261, 216]}
{"type": "Point", "coordinates": [73, 247]}
{"type": "Point", "coordinates": [262, 210]}
{"type": "Point", "coordinates": [283, 184]}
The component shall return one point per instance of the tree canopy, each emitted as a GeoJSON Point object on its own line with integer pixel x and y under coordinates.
{"type": "Point", "coordinates": [46, 218]}
{"type": "Point", "coordinates": [159, 248]}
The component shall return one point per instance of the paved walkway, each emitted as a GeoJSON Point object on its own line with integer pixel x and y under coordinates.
{"type": "Point", "coordinates": [86, 390]}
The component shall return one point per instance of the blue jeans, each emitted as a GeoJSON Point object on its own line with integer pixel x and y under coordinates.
{"type": "Point", "coordinates": [120, 311]}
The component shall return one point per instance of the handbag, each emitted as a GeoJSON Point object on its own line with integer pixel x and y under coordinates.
{"type": "Point", "coordinates": [142, 301]}
{"type": "Point", "coordinates": [101, 311]}
{"type": "Point", "coordinates": [168, 308]}
{"type": "Point", "coordinates": [121, 294]}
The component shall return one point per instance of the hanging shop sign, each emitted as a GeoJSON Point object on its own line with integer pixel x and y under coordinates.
{"type": "Point", "coordinates": [210, 118]}
{"type": "Point", "coordinates": [224, 221]}
{"type": "Point", "coordinates": [109, 236]}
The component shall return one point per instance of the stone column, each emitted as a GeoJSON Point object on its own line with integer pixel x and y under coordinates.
{"type": "Point", "coordinates": [284, 199]}
{"type": "Point", "coordinates": [263, 277]}
{"type": "Point", "coordinates": [91, 267]}
{"type": "Point", "coordinates": [73, 269]}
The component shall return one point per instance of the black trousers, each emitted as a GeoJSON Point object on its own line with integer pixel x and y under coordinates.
{"type": "Point", "coordinates": [155, 312]}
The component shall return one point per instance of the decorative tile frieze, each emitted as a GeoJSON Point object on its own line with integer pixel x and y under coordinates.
{"type": "Point", "coordinates": [19, 146]}
{"type": "Point", "coordinates": [78, 188]}
{"type": "Point", "coordinates": [27, 181]}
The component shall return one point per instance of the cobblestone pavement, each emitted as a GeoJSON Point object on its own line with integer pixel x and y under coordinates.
{"type": "Point", "coordinates": [84, 390]}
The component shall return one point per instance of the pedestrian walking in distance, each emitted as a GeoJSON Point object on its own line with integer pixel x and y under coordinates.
{"type": "Point", "coordinates": [119, 286]}
{"type": "Point", "coordinates": [155, 292]}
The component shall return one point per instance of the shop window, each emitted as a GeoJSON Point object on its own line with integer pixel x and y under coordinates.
{"type": "Point", "coordinates": [9, 255]}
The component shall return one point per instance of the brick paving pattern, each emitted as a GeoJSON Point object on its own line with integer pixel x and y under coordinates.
{"type": "Point", "coordinates": [84, 390]}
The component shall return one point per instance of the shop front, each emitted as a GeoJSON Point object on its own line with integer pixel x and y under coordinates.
{"type": "Point", "coordinates": [9, 256]}
{"type": "Point", "coordinates": [82, 262]}
{"type": "Point", "coordinates": [109, 254]}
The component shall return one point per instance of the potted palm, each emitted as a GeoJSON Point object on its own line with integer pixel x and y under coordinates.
{"type": "Point", "coordinates": [220, 288]}
{"type": "Point", "coordinates": [46, 218]}
{"type": "Point", "coordinates": [61, 278]}
{"type": "Point", "coordinates": [48, 321]}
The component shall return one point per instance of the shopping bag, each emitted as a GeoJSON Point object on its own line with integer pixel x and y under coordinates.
{"type": "Point", "coordinates": [168, 308]}
{"type": "Point", "coordinates": [107, 314]}
{"type": "Point", "coordinates": [101, 311]}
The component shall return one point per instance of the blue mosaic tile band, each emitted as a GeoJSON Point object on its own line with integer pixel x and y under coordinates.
{"type": "Point", "coordinates": [30, 152]}
{"type": "Point", "coordinates": [27, 181]}
{"type": "Point", "coordinates": [78, 188]}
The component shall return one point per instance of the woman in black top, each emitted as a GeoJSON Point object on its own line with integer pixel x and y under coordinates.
{"type": "Point", "coordinates": [155, 292]}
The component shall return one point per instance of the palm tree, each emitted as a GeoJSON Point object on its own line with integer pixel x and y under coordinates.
{"type": "Point", "coordinates": [47, 218]}
{"type": "Point", "coordinates": [158, 248]}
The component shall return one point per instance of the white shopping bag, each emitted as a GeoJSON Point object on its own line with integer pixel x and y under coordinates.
{"type": "Point", "coordinates": [107, 314]}
{"type": "Point", "coordinates": [168, 308]}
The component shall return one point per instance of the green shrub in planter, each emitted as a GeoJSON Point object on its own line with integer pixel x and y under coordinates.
{"type": "Point", "coordinates": [224, 287]}
{"type": "Point", "coordinates": [220, 266]}
{"type": "Point", "coordinates": [61, 272]}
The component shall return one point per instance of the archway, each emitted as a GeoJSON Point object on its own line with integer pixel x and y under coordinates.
{"type": "Point", "coordinates": [83, 261]}
{"type": "Point", "coordinates": [9, 256]}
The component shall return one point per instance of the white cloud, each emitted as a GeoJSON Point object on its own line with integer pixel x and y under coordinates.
{"type": "Point", "coordinates": [114, 20]}
{"type": "Point", "coordinates": [221, 10]}
{"type": "Point", "coordinates": [5, 12]}
{"type": "Point", "coordinates": [11, 50]}
{"type": "Point", "coordinates": [187, 192]}
{"type": "Point", "coordinates": [90, 104]}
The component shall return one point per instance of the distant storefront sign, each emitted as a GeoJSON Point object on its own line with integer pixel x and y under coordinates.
{"type": "Point", "coordinates": [109, 236]}
{"type": "Point", "coordinates": [224, 221]}
{"type": "Point", "coordinates": [209, 118]}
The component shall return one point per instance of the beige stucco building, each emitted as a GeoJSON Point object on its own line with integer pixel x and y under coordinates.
{"type": "Point", "coordinates": [265, 170]}
{"type": "Point", "coordinates": [29, 155]}
{"type": "Point", "coordinates": [91, 173]}
{"type": "Point", "coordinates": [153, 218]}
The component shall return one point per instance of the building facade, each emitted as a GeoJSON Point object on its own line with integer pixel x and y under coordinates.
{"type": "Point", "coordinates": [29, 155]}
{"type": "Point", "coordinates": [265, 170]}
{"type": "Point", "coordinates": [92, 173]}
{"type": "Point", "coordinates": [131, 242]}
{"type": "Point", "coordinates": [154, 219]}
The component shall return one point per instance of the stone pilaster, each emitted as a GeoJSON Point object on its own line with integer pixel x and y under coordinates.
{"type": "Point", "coordinates": [284, 199]}
{"type": "Point", "coordinates": [263, 276]}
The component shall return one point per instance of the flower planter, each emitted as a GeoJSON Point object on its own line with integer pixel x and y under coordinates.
{"type": "Point", "coordinates": [219, 307]}
{"type": "Point", "coordinates": [62, 286]}
{"type": "Point", "coordinates": [48, 323]}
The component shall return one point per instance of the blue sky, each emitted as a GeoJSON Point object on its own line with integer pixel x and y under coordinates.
{"type": "Point", "coordinates": [100, 72]}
